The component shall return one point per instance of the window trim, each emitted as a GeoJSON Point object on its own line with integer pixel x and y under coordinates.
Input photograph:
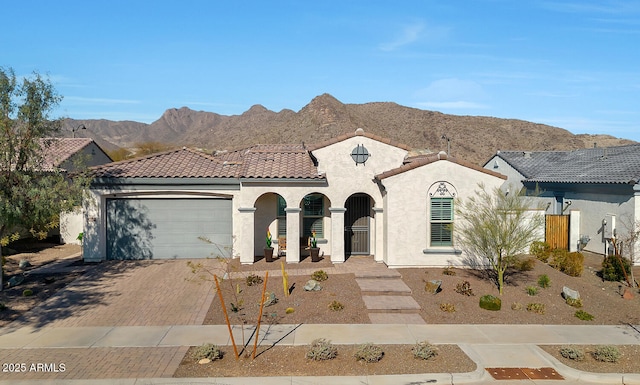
{"type": "Point", "coordinates": [440, 215]}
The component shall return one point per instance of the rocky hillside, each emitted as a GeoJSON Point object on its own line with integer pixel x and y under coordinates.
{"type": "Point", "coordinates": [473, 138]}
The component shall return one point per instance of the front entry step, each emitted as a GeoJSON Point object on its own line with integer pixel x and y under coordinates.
{"type": "Point", "coordinates": [390, 304]}
{"type": "Point", "coordinates": [371, 286]}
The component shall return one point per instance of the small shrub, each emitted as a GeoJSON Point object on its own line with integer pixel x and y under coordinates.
{"type": "Point", "coordinates": [321, 350]}
{"type": "Point", "coordinates": [571, 264]}
{"type": "Point", "coordinates": [253, 280]}
{"type": "Point", "coordinates": [516, 306]}
{"type": "Point", "coordinates": [540, 250]}
{"type": "Point", "coordinates": [424, 350]}
{"type": "Point", "coordinates": [572, 353]}
{"type": "Point", "coordinates": [319, 275]}
{"type": "Point", "coordinates": [27, 293]}
{"type": "Point", "coordinates": [537, 308]}
{"type": "Point", "coordinates": [464, 288]}
{"type": "Point", "coordinates": [369, 353]}
{"type": "Point", "coordinates": [575, 302]}
{"type": "Point", "coordinates": [2, 306]}
{"type": "Point", "coordinates": [525, 264]}
{"type": "Point", "coordinates": [448, 271]}
{"type": "Point", "coordinates": [289, 310]}
{"type": "Point", "coordinates": [611, 269]}
{"type": "Point", "coordinates": [531, 290]}
{"type": "Point", "coordinates": [544, 281]}
{"type": "Point", "coordinates": [336, 305]}
{"type": "Point", "coordinates": [490, 302]}
{"type": "Point", "coordinates": [583, 315]}
{"type": "Point", "coordinates": [209, 351]}
{"type": "Point", "coordinates": [606, 353]}
{"type": "Point", "coordinates": [448, 307]}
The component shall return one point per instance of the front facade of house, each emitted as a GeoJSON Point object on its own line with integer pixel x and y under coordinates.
{"type": "Point", "coordinates": [360, 194]}
{"type": "Point", "coordinates": [598, 187]}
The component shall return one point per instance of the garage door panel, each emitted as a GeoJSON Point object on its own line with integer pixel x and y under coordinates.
{"type": "Point", "coordinates": [168, 228]}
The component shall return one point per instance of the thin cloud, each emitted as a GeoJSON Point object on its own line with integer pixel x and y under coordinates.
{"type": "Point", "coordinates": [409, 35]}
{"type": "Point", "coordinates": [452, 93]}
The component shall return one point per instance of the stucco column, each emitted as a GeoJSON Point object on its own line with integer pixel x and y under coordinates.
{"type": "Point", "coordinates": [243, 243]}
{"type": "Point", "coordinates": [378, 238]}
{"type": "Point", "coordinates": [574, 230]}
{"type": "Point", "coordinates": [293, 234]}
{"type": "Point", "coordinates": [337, 234]}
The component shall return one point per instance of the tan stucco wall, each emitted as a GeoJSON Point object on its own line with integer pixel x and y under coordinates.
{"type": "Point", "coordinates": [406, 212]}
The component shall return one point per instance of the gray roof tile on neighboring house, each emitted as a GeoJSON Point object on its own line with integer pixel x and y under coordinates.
{"type": "Point", "coordinates": [618, 165]}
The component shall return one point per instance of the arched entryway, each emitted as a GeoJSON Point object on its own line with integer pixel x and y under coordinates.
{"type": "Point", "coordinates": [357, 225]}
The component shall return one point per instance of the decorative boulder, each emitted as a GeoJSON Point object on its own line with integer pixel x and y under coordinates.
{"type": "Point", "coordinates": [24, 264]}
{"type": "Point", "coordinates": [568, 293]}
{"type": "Point", "coordinates": [15, 280]}
{"type": "Point", "coordinates": [312, 285]}
{"type": "Point", "coordinates": [490, 302]}
{"type": "Point", "coordinates": [270, 299]}
{"type": "Point", "coordinates": [433, 286]}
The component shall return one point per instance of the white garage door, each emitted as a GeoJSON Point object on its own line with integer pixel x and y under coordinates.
{"type": "Point", "coordinates": [151, 228]}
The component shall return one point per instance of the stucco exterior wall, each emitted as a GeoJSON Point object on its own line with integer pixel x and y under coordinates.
{"type": "Point", "coordinates": [95, 223]}
{"type": "Point", "coordinates": [406, 212]}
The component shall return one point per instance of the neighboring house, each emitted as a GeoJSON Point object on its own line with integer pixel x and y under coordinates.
{"type": "Point", "coordinates": [599, 187]}
{"type": "Point", "coordinates": [67, 154]}
{"type": "Point", "coordinates": [360, 194]}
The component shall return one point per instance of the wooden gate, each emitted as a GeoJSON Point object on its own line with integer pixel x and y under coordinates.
{"type": "Point", "coordinates": [557, 231]}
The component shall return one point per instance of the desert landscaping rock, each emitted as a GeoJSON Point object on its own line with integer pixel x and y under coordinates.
{"type": "Point", "coordinates": [312, 285]}
{"type": "Point", "coordinates": [433, 286]}
{"type": "Point", "coordinates": [568, 293]}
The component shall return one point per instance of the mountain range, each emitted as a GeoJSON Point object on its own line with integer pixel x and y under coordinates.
{"type": "Point", "coordinates": [472, 138]}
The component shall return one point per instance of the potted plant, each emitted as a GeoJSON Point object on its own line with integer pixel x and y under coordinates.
{"type": "Point", "coordinates": [313, 247]}
{"type": "Point", "coordinates": [268, 251]}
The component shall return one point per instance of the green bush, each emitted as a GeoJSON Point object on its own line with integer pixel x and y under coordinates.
{"type": "Point", "coordinates": [319, 275]}
{"type": "Point", "coordinates": [516, 306]}
{"type": "Point", "coordinates": [607, 353]}
{"type": "Point", "coordinates": [574, 302]}
{"type": "Point", "coordinates": [27, 293]}
{"type": "Point", "coordinates": [583, 315]}
{"type": "Point", "coordinates": [571, 264]}
{"type": "Point", "coordinates": [572, 353]}
{"type": "Point", "coordinates": [321, 350]}
{"type": "Point", "coordinates": [525, 264]}
{"type": "Point", "coordinates": [424, 350]}
{"type": "Point", "coordinates": [611, 269]}
{"type": "Point", "coordinates": [448, 271]}
{"type": "Point", "coordinates": [369, 353]}
{"type": "Point", "coordinates": [537, 308]}
{"type": "Point", "coordinates": [490, 302]}
{"type": "Point", "coordinates": [531, 290]}
{"type": "Point", "coordinates": [540, 250]}
{"type": "Point", "coordinates": [2, 306]}
{"type": "Point", "coordinates": [544, 281]}
{"type": "Point", "coordinates": [209, 351]}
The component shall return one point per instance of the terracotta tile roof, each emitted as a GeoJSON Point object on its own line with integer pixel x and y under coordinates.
{"type": "Point", "coordinates": [58, 150]}
{"type": "Point", "coordinates": [422, 160]}
{"type": "Point", "coordinates": [266, 161]}
{"type": "Point", "coordinates": [358, 132]}
{"type": "Point", "coordinates": [183, 163]}
{"type": "Point", "coordinates": [260, 161]}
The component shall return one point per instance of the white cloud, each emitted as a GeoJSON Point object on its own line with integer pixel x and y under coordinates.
{"type": "Point", "coordinates": [412, 33]}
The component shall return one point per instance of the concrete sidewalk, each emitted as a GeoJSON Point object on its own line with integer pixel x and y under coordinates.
{"type": "Point", "coordinates": [504, 346]}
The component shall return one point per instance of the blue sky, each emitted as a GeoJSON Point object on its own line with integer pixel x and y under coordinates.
{"type": "Point", "coordinates": [573, 64]}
